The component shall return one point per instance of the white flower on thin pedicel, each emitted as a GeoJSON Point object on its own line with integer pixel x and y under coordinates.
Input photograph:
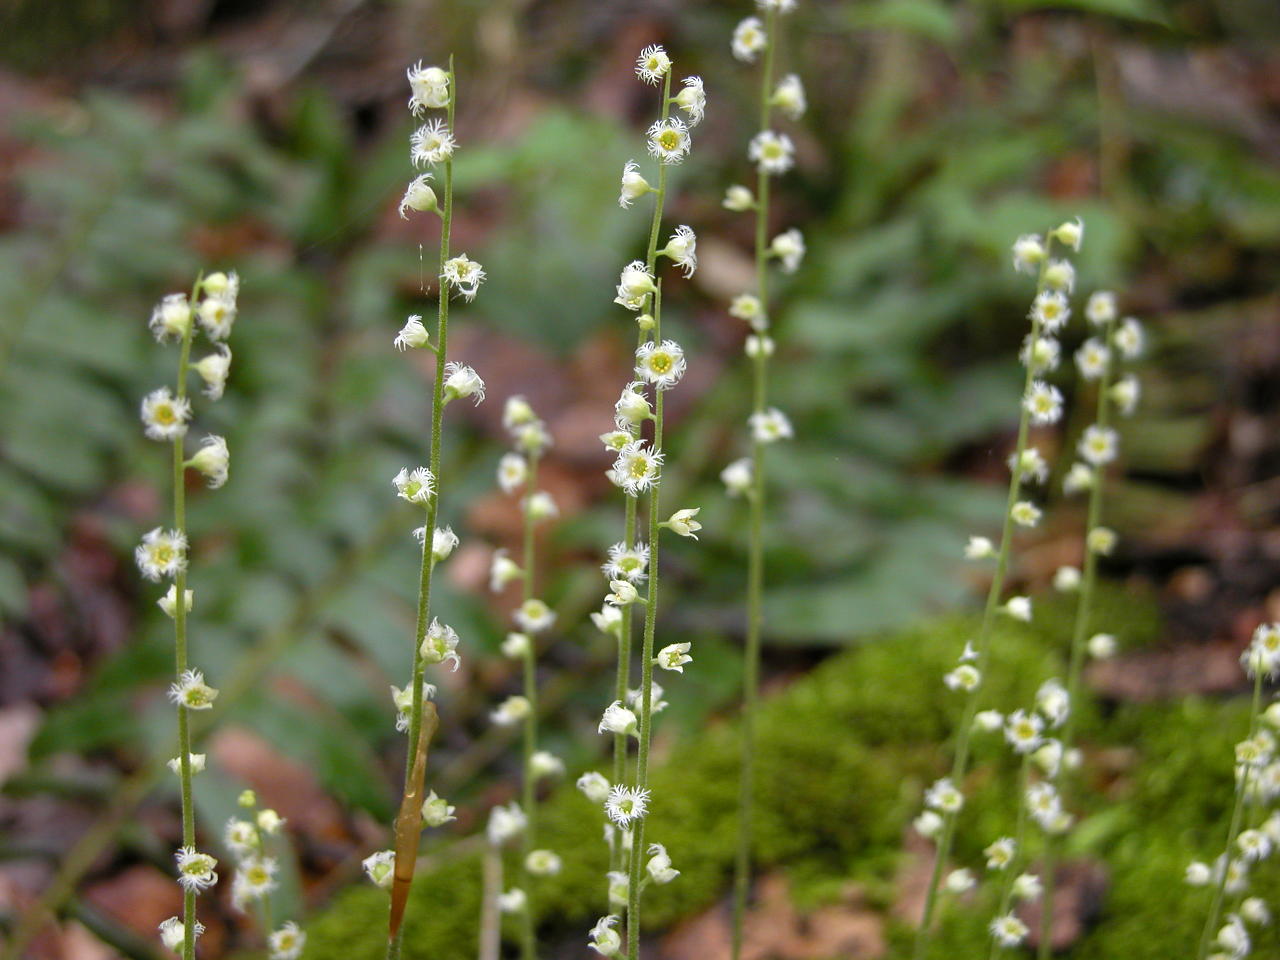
{"type": "Point", "coordinates": [1129, 338]}
{"type": "Point", "coordinates": [419, 196]}
{"type": "Point", "coordinates": [692, 100]}
{"type": "Point", "coordinates": [737, 477]}
{"type": "Point", "coordinates": [1098, 445]}
{"type": "Point", "coordinates": [789, 248]}
{"type": "Point", "coordinates": [213, 370]}
{"type": "Point", "coordinates": [165, 415]}
{"type": "Point", "coordinates": [171, 319]}
{"type": "Point", "coordinates": [653, 64]}
{"type": "Point", "coordinates": [789, 96]}
{"type": "Point", "coordinates": [440, 645]}
{"type": "Point", "coordinates": [218, 314]}
{"type": "Point", "coordinates": [464, 274]}
{"type": "Point", "coordinates": [634, 186]}
{"type": "Point", "coordinates": [213, 460]}
{"type": "Point", "coordinates": [627, 563]}
{"type": "Point", "coordinates": [506, 823]}
{"type": "Point", "coordinates": [635, 283]}
{"type": "Point", "coordinates": [669, 140]}
{"type": "Point", "coordinates": [673, 657]}
{"type": "Point", "coordinates": [604, 939]}
{"type": "Point", "coordinates": [1101, 307]}
{"type": "Point", "coordinates": [437, 811]}
{"type": "Point", "coordinates": [618, 719]}
{"type": "Point", "coordinates": [513, 471]}
{"type": "Point", "coordinates": [1050, 310]}
{"type": "Point", "coordinates": [769, 426]}
{"type": "Point", "coordinates": [534, 616]}
{"type": "Point", "coordinates": [626, 804]}
{"type": "Point", "coordinates": [944, 797]}
{"type": "Point", "coordinates": [772, 152]}
{"type": "Point", "coordinates": [431, 143]}
{"type": "Point", "coordinates": [661, 364]}
{"type": "Point", "coordinates": [287, 943]}
{"type": "Point", "coordinates": [637, 467]}
{"type": "Point", "coordinates": [1043, 402]}
{"type": "Point", "coordinates": [594, 786]}
{"type": "Point", "coordinates": [415, 486]}
{"type": "Point", "coordinates": [190, 691]}
{"type": "Point", "coordinates": [380, 868]}
{"type": "Point", "coordinates": [511, 711]}
{"type": "Point", "coordinates": [162, 553]}
{"type": "Point", "coordinates": [195, 869]}
{"type": "Point", "coordinates": [1092, 358]}
{"type": "Point", "coordinates": [749, 39]}
{"type": "Point", "coordinates": [747, 306]}
{"type": "Point", "coordinates": [1028, 253]}
{"type": "Point", "coordinates": [173, 933]}
{"type": "Point", "coordinates": [682, 249]}
{"type": "Point", "coordinates": [659, 865]}
{"type": "Point", "coordinates": [502, 570]}
{"type": "Point", "coordinates": [429, 86]}
{"type": "Point", "coordinates": [462, 381]}
{"type": "Point", "coordinates": [412, 334]}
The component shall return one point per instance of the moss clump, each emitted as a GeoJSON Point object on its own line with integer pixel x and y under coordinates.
{"type": "Point", "coordinates": [843, 757]}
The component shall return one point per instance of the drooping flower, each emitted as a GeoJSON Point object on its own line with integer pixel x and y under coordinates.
{"type": "Point", "coordinates": [692, 99]}
{"type": "Point", "coordinates": [594, 786]}
{"type": "Point", "coordinates": [789, 248]}
{"type": "Point", "coordinates": [419, 196]}
{"type": "Point", "coordinates": [412, 334]}
{"type": "Point", "coordinates": [440, 645]}
{"type": "Point", "coordinates": [217, 315]}
{"type": "Point", "coordinates": [511, 711]}
{"type": "Point", "coordinates": [506, 823]}
{"type": "Point", "coordinates": [634, 186]}
{"type": "Point", "coordinates": [673, 657]}
{"type": "Point", "coordinates": [682, 248]}
{"type": "Point", "coordinates": [173, 933]}
{"type": "Point", "coordinates": [502, 570]}
{"type": "Point", "coordinates": [213, 460]}
{"type": "Point", "coordinates": [380, 867]}
{"type": "Point", "coordinates": [618, 719]}
{"type": "Point", "coordinates": [737, 477]}
{"type": "Point", "coordinates": [190, 691]}
{"type": "Point", "coordinates": [462, 381]}
{"type": "Point", "coordinates": [659, 865]}
{"type": "Point", "coordinates": [682, 522]}
{"type": "Point", "coordinates": [213, 370]}
{"type": "Point", "coordinates": [429, 86]}
{"type": "Point", "coordinates": [1028, 253]}
{"type": "Point", "coordinates": [604, 939]}
{"type": "Point", "coordinates": [542, 863]}
{"type": "Point", "coordinates": [635, 283]}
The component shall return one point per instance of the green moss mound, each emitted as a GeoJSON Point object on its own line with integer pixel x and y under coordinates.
{"type": "Point", "coordinates": [843, 756]}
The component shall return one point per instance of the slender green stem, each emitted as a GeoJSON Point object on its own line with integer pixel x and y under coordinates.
{"type": "Point", "coordinates": [528, 945]}
{"type": "Point", "coordinates": [1019, 847]}
{"type": "Point", "coordinates": [964, 734]}
{"type": "Point", "coordinates": [180, 636]}
{"type": "Point", "coordinates": [1079, 643]}
{"type": "Point", "coordinates": [1215, 911]}
{"type": "Point", "coordinates": [621, 685]}
{"type": "Point", "coordinates": [755, 536]}
{"type": "Point", "coordinates": [432, 511]}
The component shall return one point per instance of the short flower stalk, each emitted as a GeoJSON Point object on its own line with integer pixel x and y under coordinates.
{"type": "Point", "coordinates": [773, 154]}
{"type": "Point", "coordinates": [433, 144]}
{"type": "Point", "coordinates": [1041, 405]}
{"type": "Point", "coordinates": [162, 555]}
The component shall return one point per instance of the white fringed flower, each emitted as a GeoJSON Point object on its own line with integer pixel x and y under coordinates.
{"type": "Point", "coordinates": [213, 460]}
{"type": "Point", "coordinates": [758, 345]}
{"type": "Point", "coordinates": [1008, 930]}
{"type": "Point", "coordinates": [789, 248]}
{"type": "Point", "coordinates": [1066, 579]}
{"type": "Point", "coordinates": [623, 593]}
{"type": "Point", "coordinates": [626, 804]}
{"type": "Point", "coordinates": [1000, 853]}
{"type": "Point", "coordinates": [464, 275]}
{"type": "Point", "coordinates": [979, 548]}
{"type": "Point", "coordinates": [627, 563]}
{"type": "Point", "coordinates": [1101, 540]}
{"type": "Point", "coordinates": [944, 797]}
{"type": "Point", "coordinates": [254, 879]}
{"type": "Point", "coordinates": [513, 471]}
{"type": "Point", "coordinates": [287, 943]}
{"type": "Point", "coordinates": [165, 415]}
{"type": "Point", "coordinates": [770, 426]}
{"type": "Point", "coordinates": [544, 763]}
{"type": "Point", "coordinates": [162, 553]}
{"type": "Point", "coordinates": [692, 99]}
{"type": "Point", "coordinates": [1043, 402]}
{"type": "Point", "coordinates": [1092, 358]}
{"type": "Point", "coordinates": [988, 721]}
{"type": "Point", "coordinates": [462, 381]}
{"type": "Point", "coordinates": [415, 486]}
{"type": "Point", "coordinates": [443, 542]}
{"type": "Point", "coordinates": [782, 6]}
{"type": "Point", "coordinates": [213, 370]}
{"type": "Point", "coordinates": [1099, 445]}
{"type": "Point", "coordinates": [659, 865]}
{"type": "Point", "coordinates": [511, 711]}
{"type": "Point", "coordinates": [195, 870]}
{"type": "Point", "coordinates": [440, 645]}
{"type": "Point", "coordinates": [171, 319]}
{"type": "Point", "coordinates": [737, 477]}
{"type": "Point", "coordinates": [1028, 253]}
{"type": "Point", "coordinates": [419, 196]}
{"type": "Point", "coordinates": [634, 186]}
{"type": "Point", "coordinates": [218, 315]}
{"type": "Point", "coordinates": [1060, 275]}
{"type": "Point", "coordinates": [789, 96]}
{"type": "Point", "coordinates": [1101, 307]}
{"type": "Point", "coordinates": [604, 939]}
{"type": "Point", "coordinates": [1053, 701]}
{"type": "Point", "coordinates": [594, 786]}
{"type": "Point", "coordinates": [539, 506]}
{"type": "Point", "coordinates": [506, 823]}
{"type": "Point", "coordinates": [380, 868]}
{"type": "Point", "coordinates": [1129, 338]}
{"type": "Point", "coordinates": [608, 620]}
{"type": "Point", "coordinates": [682, 522]}
{"type": "Point", "coordinates": [1019, 608]}
{"type": "Point", "coordinates": [502, 570]}
{"type": "Point", "coordinates": [1050, 310]}
{"type": "Point", "coordinates": [1079, 477]}
{"type": "Point", "coordinates": [240, 837]}
{"type": "Point", "coordinates": [516, 645]}
{"type": "Point", "coordinates": [1041, 354]}
{"type": "Point", "coordinates": [928, 824]}
{"type": "Point", "coordinates": [1125, 393]}
{"type": "Point", "coordinates": [196, 761]}
{"type": "Point", "coordinates": [1102, 646]}
{"type": "Point", "coordinates": [653, 64]}
{"type": "Point", "coordinates": [1031, 466]}
{"type": "Point", "coordinates": [429, 86]}
{"type": "Point", "coordinates": [412, 334]}
{"type": "Point", "coordinates": [682, 248]}
{"type": "Point", "coordinates": [772, 152]}
{"type": "Point", "coordinates": [1025, 513]}
{"type": "Point", "coordinates": [1070, 233]}
{"type": "Point", "coordinates": [534, 616]}
{"type": "Point", "coordinates": [747, 306]}
{"type": "Point", "coordinates": [964, 677]}
{"type": "Point", "coordinates": [190, 691]}
{"type": "Point", "coordinates": [513, 901]}
{"type": "Point", "coordinates": [635, 283]}
{"type": "Point", "coordinates": [669, 140]}
{"type": "Point", "coordinates": [673, 657]}
{"type": "Point", "coordinates": [959, 881]}
{"type": "Point", "coordinates": [738, 199]}
{"type": "Point", "coordinates": [431, 143]}
{"type": "Point", "coordinates": [173, 933]}
{"type": "Point", "coordinates": [637, 467]}
{"type": "Point", "coordinates": [618, 719]}
{"type": "Point", "coordinates": [749, 39]}
{"type": "Point", "coordinates": [542, 863]}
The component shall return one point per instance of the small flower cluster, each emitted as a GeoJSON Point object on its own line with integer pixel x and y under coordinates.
{"type": "Point", "coordinates": [1254, 833]}
{"type": "Point", "coordinates": [255, 876]}
{"type": "Point", "coordinates": [162, 554]}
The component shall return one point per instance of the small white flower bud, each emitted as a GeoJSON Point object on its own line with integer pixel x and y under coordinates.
{"type": "Point", "coordinates": [739, 199]}
{"type": "Point", "coordinates": [594, 787]}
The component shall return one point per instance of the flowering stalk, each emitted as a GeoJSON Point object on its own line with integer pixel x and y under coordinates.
{"type": "Point", "coordinates": [255, 876]}
{"type": "Point", "coordinates": [659, 364]}
{"type": "Point", "coordinates": [1041, 404]}
{"type": "Point", "coordinates": [163, 554]}
{"type": "Point", "coordinates": [1096, 360]}
{"type": "Point", "coordinates": [518, 470]}
{"type": "Point", "coordinates": [433, 144]}
{"type": "Point", "coordinates": [1257, 776]}
{"type": "Point", "coordinates": [772, 153]}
